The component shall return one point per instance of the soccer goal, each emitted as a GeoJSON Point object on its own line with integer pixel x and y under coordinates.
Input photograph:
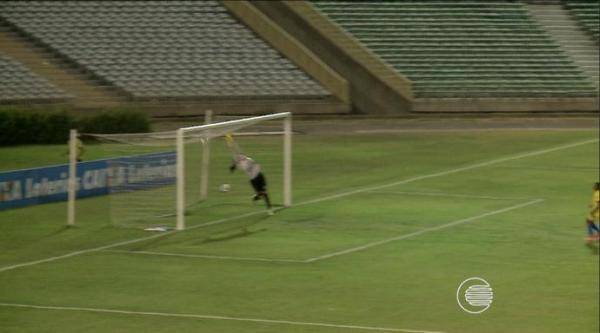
{"type": "Point", "coordinates": [163, 179]}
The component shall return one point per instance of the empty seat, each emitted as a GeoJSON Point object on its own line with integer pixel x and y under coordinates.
{"type": "Point", "coordinates": [462, 48]}
{"type": "Point", "coordinates": [162, 48]}
{"type": "Point", "coordinates": [19, 84]}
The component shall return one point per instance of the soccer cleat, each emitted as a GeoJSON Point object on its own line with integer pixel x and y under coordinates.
{"type": "Point", "coordinates": [270, 212]}
{"type": "Point", "coordinates": [255, 198]}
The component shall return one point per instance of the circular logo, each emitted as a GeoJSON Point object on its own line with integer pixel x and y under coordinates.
{"type": "Point", "coordinates": [474, 295]}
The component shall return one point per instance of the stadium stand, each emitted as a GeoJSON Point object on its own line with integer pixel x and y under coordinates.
{"type": "Point", "coordinates": [587, 14]}
{"type": "Point", "coordinates": [20, 85]}
{"type": "Point", "coordinates": [162, 49]}
{"type": "Point", "coordinates": [463, 49]}
{"type": "Point", "coordinates": [567, 32]}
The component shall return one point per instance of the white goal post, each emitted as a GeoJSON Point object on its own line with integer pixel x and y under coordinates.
{"type": "Point", "coordinates": [178, 140]}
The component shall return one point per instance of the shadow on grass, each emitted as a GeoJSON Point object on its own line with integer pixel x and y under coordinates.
{"type": "Point", "coordinates": [151, 242]}
{"type": "Point", "coordinates": [233, 230]}
{"type": "Point", "coordinates": [232, 235]}
{"type": "Point", "coordinates": [593, 246]}
{"type": "Point", "coordinates": [60, 231]}
{"type": "Point", "coordinates": [206, 234]}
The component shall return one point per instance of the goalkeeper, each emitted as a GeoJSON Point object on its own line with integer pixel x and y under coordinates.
{"type": "Point", "coordinates": [252, 169]}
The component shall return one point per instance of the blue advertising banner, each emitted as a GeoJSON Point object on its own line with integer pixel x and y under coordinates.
{"type": "Point", "coordinates": [49, 184]}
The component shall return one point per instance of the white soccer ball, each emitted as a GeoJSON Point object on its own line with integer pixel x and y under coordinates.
{"type": "Point", "coordinates": [224, 187]}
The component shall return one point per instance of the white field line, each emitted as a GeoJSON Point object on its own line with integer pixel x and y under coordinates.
{"type": "Point", "coordinates": [76, 253]}
{"type": "Point", "coordinates": [448, 172]}
{"type": "Point", "coordinates": [214, 317]}
{"type": "Point", "coordinates": [326, 198]}
{"type": "Point", "coordinates": [133, 241]}
{"type": "Point", "coordinates": [420, 232]}
{"type": "Point", "coordinates": [343, 252]}
{"type": "Point", "coordinates": [206, 256]}
{"type": "Point", "coordinates": [461, 130]}
{"type": "Point", "coordinates": [450, 195]}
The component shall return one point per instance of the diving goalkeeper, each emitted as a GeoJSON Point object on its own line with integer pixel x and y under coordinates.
{"type": "Point", "coordinates": [252, 170]}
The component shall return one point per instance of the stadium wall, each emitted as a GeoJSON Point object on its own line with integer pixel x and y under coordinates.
{"type": "Point", "coordinates": [572, 105]}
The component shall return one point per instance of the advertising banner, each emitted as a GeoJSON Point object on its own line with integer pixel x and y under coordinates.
{"type": "Point", "coordinates": [50, 184]}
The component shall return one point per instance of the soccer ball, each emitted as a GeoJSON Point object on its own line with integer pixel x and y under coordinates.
{"type": "Point", "coordinates": [224, 187]}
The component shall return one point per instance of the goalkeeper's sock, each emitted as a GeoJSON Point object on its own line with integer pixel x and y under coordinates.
{"type": "Point", "coordinates": [266, 196]}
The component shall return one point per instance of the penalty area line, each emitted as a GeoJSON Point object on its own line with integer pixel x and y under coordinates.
{"type": "Point", "coordinates": [215, 317]}
{"type": "Point", "coordinates": [420, 232]}
{"type": "Point", "coordinates": [450, 195]}
{"type": "Point", "coordinates": [448, 172]}
{"type": "Point", "coordinates": [462, 130]}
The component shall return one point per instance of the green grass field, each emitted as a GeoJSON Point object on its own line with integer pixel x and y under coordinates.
{"type": "Point", "coordinates": [384, 229]}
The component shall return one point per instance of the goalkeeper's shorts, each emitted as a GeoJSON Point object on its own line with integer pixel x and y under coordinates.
{"type": "Point", "coordinates": [259, 183]}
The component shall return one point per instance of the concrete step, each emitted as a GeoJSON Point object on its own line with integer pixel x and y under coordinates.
{"type": "Point", "coordinates": [579, 47]}
{"type": "Point", "coordinates": [591, 70]}
{"type": "Point", "coordinates": [562, 28]}
{"type": "Point", "coordinates": [573, 34]}
{"type": "Point", "coordinates": [575, 43]}
{"type": "Point", "coordinates": [591, 53]}
{"type": "Point", "coordinates": [87, 92]}
{"type": "Point", "coordinates": [547, 11]}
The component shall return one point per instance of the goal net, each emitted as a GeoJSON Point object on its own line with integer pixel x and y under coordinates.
{"type": "Point", "coordinates": [177, 179]}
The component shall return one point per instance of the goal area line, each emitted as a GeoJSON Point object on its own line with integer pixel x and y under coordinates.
{"type": "Point", "coordinates": [317, 200]}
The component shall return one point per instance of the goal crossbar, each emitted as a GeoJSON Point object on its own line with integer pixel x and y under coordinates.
{"type": "Point", "coordinates": [229, 123]}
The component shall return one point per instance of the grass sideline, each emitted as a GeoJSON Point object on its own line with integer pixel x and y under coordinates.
{"type": "Point", "coordinates": [531, 253]}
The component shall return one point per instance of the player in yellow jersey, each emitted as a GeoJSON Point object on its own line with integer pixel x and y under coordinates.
{"type": "Point", "coordinates": [80, 150]}
{"type": "Point", "coordinates": [593, 233]}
